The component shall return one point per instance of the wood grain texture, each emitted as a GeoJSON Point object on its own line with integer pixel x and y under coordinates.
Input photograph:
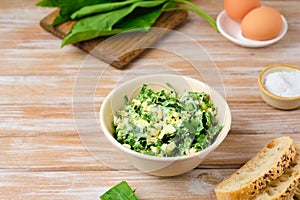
{"type": "Point", "coordinates": [198, 184]}
{"type": "Point", "coordinates": [123, 48]}
{"type": "Point", "coordinates": [43, 155]}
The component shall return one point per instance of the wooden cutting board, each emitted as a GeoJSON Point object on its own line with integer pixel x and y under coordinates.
{"type": "Point", "coordinates": [111, 49]}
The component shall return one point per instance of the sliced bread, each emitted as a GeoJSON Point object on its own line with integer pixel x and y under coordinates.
{"type": "Point", "coordinates": [267, 165]}
{"type": "Point", "coordinates": [283, 187]}
{"type": "Point", "coordinates": [297, 192]}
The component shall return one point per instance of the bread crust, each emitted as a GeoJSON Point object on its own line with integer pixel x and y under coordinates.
{"type": "Point", "coordinates": [254, 187]}
{"type": "Point", "coordinates": [283, 188]}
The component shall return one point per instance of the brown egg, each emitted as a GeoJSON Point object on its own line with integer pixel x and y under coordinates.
{"type": "Point", "coordinates": [237, 9]}
{"type": "Point", "coordinates": [263, 23]}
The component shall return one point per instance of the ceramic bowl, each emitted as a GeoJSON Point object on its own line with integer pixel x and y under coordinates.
{"type": "Point", "coordinates": [231, 30]}
{"type": "Point", "coordinates": [284, 103]}
{"type": "Point", "coordinates": [162, 166]}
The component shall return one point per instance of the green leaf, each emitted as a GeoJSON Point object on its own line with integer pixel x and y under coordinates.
{"type": "Point", "coordinates": [170, 5]}
{"type": "Point", "coordinates": [141, 21]}
{"type": "Point", "coordinates": [103, 24]}
{"type": "Point", "coordinates": [190, 126]}
{"type": "Point", "coordinates": [121, 191]}
{"type": "Point", "coordinates": [48, 3]}
{"type": "Point", "coordinates": [59, 19]}
{"type": "Point", "coordinates": [208, 119]}
{"type": "Point", "coordinates": [67, 7]}
{"type": "Point", "coordinates": [100, 8]}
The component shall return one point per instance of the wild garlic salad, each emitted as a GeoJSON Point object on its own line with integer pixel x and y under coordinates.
{"type": "Point", "coordinates": [166, 125]}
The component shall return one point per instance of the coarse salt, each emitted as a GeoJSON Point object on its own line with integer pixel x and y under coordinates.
{"type": "Point", "coordinates": [284, 84]}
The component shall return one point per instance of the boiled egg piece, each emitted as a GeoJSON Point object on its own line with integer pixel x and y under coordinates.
{"type": "Point", "coordinates": [262, 23]}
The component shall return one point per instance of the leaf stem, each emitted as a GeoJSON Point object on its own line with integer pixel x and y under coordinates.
{"type": "Point", "coordinates": [194, 8]}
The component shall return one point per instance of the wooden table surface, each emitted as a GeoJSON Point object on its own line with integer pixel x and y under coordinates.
{"type": "Point", "coordinates": [50, 97]}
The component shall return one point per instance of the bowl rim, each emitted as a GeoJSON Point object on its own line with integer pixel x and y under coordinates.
{"type": "Point", "coordinates": [207, 150]}
{"type": "Point", "coordinates": [266, 91]}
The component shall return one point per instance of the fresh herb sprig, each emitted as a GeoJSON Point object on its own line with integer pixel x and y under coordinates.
{"type": "Point", "coordinates": [97, 18]}
{"type": "Point", "coordinates": [121, 191]}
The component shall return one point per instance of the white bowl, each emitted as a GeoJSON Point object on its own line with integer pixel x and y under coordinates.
{"type": "Point", "coordinates": [231, 30]}
{"type": "Point", "coordinates": [163, 166]}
